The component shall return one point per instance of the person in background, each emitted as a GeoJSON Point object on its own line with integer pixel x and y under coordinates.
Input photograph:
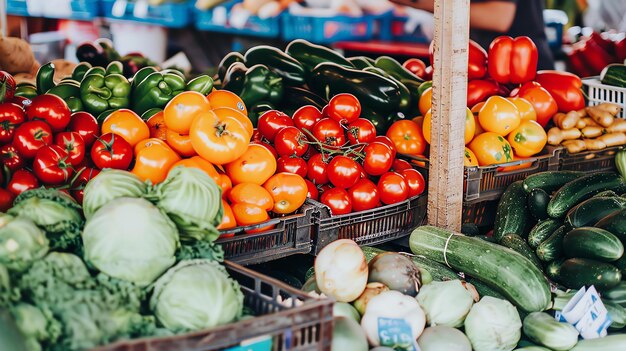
{"type": "Point", "coordinates": [492, 18]}
{"type": "Point", "coordinates": [606, 15]}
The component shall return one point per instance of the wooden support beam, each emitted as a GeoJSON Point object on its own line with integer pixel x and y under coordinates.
{"type": "Point", "coordinates": [445, 188]}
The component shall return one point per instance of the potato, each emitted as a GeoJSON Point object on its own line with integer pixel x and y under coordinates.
{"type": "Point", "coordinates": [575, 146]}
{"type": "Point", "coordinates": [591, 132]}
{"type": "Point", "coordinates": [613, 139]}
{"type": "Point", "coordinates": [601, 116]}
{"type": "Point", "coordinates": [16, 55]}
{"type": "Point", "coordinates": [594, 144]}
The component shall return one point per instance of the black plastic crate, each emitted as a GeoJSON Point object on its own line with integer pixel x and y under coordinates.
{"type": "Point", "coordinates": [481, 213]}
{"type": "Point", "coordinates": [302, 323]}
{"type": "Point", "coordinates": [590, 161]}
{"type": "Point", "coordinates": [291, 235]}
{"type": "Point", "coordinates": [369, 227]}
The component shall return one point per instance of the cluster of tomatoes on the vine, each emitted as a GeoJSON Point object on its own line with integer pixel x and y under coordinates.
{"type": "Point", "coordinates": [345, 164]}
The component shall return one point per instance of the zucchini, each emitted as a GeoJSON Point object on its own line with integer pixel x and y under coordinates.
{"type": "Point", "coordinates": [436, 270]}
{"type": "Point", "coordinates": [590, 211]}
{"type": "Point", "coordinates": [607, 193]}
{"type": "Point", "coordinates": [512, 211]}
{"type": "Point", "coordinates": [617, 313]}
{"type": "Point", "coordinates": [578, 272]}
{"type": "Point", "coordinates": [538, 200]}
{"type": "Point", "coordinates": [484, 289]}
{"type": "Point", "coordinates": [614, 74]}
{"type": "Point", "coordinates": [620, 162]}
{"type": "Point", "coordinates": [553, 269]}
{"type": "Point", "coordinates": [581, 189]}
{"type": "Point", "coordinates": [621, 264]}
{"type": "Point", "coordinates": [515, 242]}
{"type": "Point", "coordinates": [490, 239]}
{"type": "Point", "coordinates": [549, 181]}
{"type": "Point", "coordinates": [503, 269]}
{"type": "Point", "coordinates": [542, 230]}
{"type": "Point", "coordinates": [561, 299]}
{"type": "Point", "coordinates": [617, 294]}
{"type": "Point", "coordinates": [593, 243]}
{"type": "Point", "coordinates": [543, 329]}
{"type": "Point", "coordinates": [552, 248]}
{"type": "Point", "coordinates": [613, 342]}
{"type": "Point", "coordinates": [371, 252]}
{"type": "Point", "coordinates": [532, 348]}
{"type": "Point", "coordinates": [614, 223]}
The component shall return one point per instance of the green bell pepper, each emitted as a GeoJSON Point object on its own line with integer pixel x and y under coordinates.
{"type": "Point", "coordinates": [295, 98]}
{"type": "Point", "coordinates": [80, 70]}
{"type": "Point", "coordinates": [174, 71]}
{"type": "Point", "coordinates": [226, 62]}
{"type": "Point", "coordinates": [95, 70]}
{"type": "Point", "coordinates": [257, 110]}
{"type": "Point", "coordinates": [310, 55]}
{"type": "Point", "coordinates": [45, 78]}
{"type": "Point", "coordinates": [103, 115]}
{"type": "Point", "coordinates": [379, 120]}
{"type": "Point", "coordinates": [361, 62]}
{"type": "Point", "coordinates": [26, 90]}
{"type": "Point", "coordinates": [406, 102]}
{"type": "Point", "coordinates": [202, 84]}
{"type": "Point", "coordinates": [424, 86]}
{"type": "Point", "coordinates": [254, 84]}
{"type": "Point", "coordinates": [115, 67]}
{"type": "Point", "coordinates": [156, 90]}
{"type": "Point", "coordinates": [70, 92]}
{"type": "Point", "coordinates": [277, 61]}
{"type": "Point", "coordinates": [141, 75]}
{"type": "Point", "coordinates": [151, 112]}
{"type": "Point", "coordinates": [100, 93]}
{"type": "Point", "coordinates": [396, 69]}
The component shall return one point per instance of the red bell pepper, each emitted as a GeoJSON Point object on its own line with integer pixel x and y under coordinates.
{"type": "Point", "coordinates": [576, 63]}
{"type": "Point", "coordinates": [605, 44]}
{"type": "Point", "coordinates": [512, 60]}
{"type": "Point", "coordinates": [620, 50]}
{"type": "Point", "coordinates": [595, 57]}
{"type": "Point", "coordinates": [564, 87]}
{"type": "Point", "coordinates": [476, 60]}
{"type": "Point", "coordinates": [540, 98]}
{"type": "Point", "coordinates": [480, 90]}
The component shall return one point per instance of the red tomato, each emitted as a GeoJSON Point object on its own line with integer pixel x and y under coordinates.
{"type": "Point", "coordinates": [392, 188]}
{"type": "Point", "coordinates": [329, 132]}
{"type": "Point", "coordinates": [416, 66]}
{"type": "Point", "coordinates": [344, 108]}
{"type": "Point", "coordinates": [21, 181]}
{"type": "Point", "coordinates": [32, 136]}
{"type": "Point", "coordinates": [414, 180]}
{"type": "Point", "coordinates": [338, 200]}
{"type": "Point", "coordinates": [364, 195]}
{"type": "Point", "coordinates": [343, 172]}
{"type": "Point", "coordinates": [290, 141]}
{"type": "Point", "coordinates": [361, 131]}
{"type": "Point", "coordinates": [50, 165]}
{"type": "Point", "coordinates": [312, 193]}
{"type": "Point", "coordinates": [295, 165]}
{"type": "Point", "coordinates": [8, 82]}
{"type": "Point", "coordinates": [271, 122]}
{"type": "Point", "coordinates": [385, 140]}
{"type": "Point", "coordinates": [11, 158]}
{"type": "Point", "coordinates": [400, 165]}
{"type": "Point", "coordinates": [6, 200]}
{"type": "Point", "coordinates": [86, 125]}
{"type": "Point", "coordinates": [378, 158]}
{"type": "Point", "coordinates": [11, 116]}
{"type": "Point", "coordinates": [317, 169]}
{"type": "Point", "coordinates": [51, 109]}
{"type": "Point", "coordinates": [112, 151]}
{"type": "Point", "coordinates": [306, 116]}
{"type": "Point", "coordinates": [85, 174]}
{"type": "Point", "coordinates": [73, 144]}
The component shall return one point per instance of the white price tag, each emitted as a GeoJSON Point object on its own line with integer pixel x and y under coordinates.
{"type": "Point", "coordinates": [397, 334]}
{"type": "Point", "coordinates": [586, 312]}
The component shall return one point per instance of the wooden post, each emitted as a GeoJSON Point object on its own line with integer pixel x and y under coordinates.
{"type": "Point", "coordinates": [445, 188]}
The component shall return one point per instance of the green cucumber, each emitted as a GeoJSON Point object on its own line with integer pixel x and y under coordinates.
{"type": "Point", "coordinates": [607, 193]}
{"type": "Point", "coordinates": [621, 264]}
{"type": "Point", "coordinates": [549, 181]}
{"type": "Point", "coordinates": [578, 190]}
{"type": "Point", "coordinates": [616, 294]}
{"type": "Point", "coordinates": [436, 270]}
{"type": "Point", "coordinates": [512, 212]}
{"type": "Point", "coordinates": [553, 269]}
{"type": "Point", "coordinates": [593, 243]}
{"type": "Point", "coordinates": [515, 242]}
{"type": "Point", "coordinates": [578, 272]}
{"type": "Point", "coordinates": [503, 269]}
{"type": "Point", "coordinates": [552, 248]}
{"type": "Point", "coordinates": [617, 313]}
{"type": "Point", "coordinates": [538, 200]}
{"type": "Point", "coordinates": [614, 223]}
{"type": "Point", "coordinates": [614, 74]}
{"type": "Point", "coordinates": [371, 252]}
{"type": "Point", "coordinates": [532, 348]}
{"type": "Point", "coordinates": [541, 231]}
{"type": "Point", "coordinates": [484, 289]}
{"type": "Point", "coordinates": [613, 342]}
{"type": "Point", "coordinates": [543, 329]}
{"type": "Point", "coordinates": [590, 211]}
{"type": "Point", "coordinates": [487, 238]}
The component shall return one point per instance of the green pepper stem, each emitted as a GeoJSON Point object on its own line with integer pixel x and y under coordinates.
{"type": "Point", "coordinates": [165, 88]}
{"type": "Point", "coordinates": [103, 92]}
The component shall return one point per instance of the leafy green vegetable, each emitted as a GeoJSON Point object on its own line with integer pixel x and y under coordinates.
{"type": "Point", "coordinates": [9, 294]}
{"type": "Point", "coordinates": [53, 211]}
{"type": "Point", "coordinates": [37, 325]}
{"type": "Point", "coordinates": [21, 242]}
{"type": "Point", "coordinates": [131, 239]}
{"type": "Point", "coordinates": [200, 249]}
{"type": "Point", "coordinates": [493, 324]}
{"type": "Point", "coordinates": [196, 294]}
{"type": "Point", "coordinates": [192, 199]}
{"type": "Point", "coordinates": [108, 185]}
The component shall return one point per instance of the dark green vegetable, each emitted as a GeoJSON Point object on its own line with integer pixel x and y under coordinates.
{"type": "Point", "coordinates": [512, 212]}
{"type": "Point", "coordinates": [590, 211]}
{"type": "Point", "coordinates": [538, 200]}
{"type": "Point", "coordinates": [422, 88]}
{"type": "Point", "coordinates": [614, 223]}
{"type": "Point", "coordinates": [226, 62]}
{"type": "Point", "coordinates": [552, 248]}
{"type": "Point", "coordinates": [254, 84]}
{"type": "Point", "coordinates": [151, 112]}
{"type": "Point", "coordinates": [395, 68]}
{"type": "Point", "coordinates": [617, 294]}
{"type": "Point", "coordinates": [542, 230]}
{"type": "Point", "coordinates": [361, 62]}
{"type": "Point", "coordinates": [295, 98]}
{"type": "Point", "coordinates": [378, 120]}
{"type": "Point", "coordinates": [28, 91]}
{"type": "Point", "coordinates": [69, 91]}
{"type": "Point", "coordinates": [470, 229]}
{"type": "Point", "coordinates": [201, 84]}
{"type": "Point", "coordinates": [614, 74]}
{"type": "Point", "coordinates": [593, 243]}
{"type": "Point", "coordinates": [45, 78]}
{"type": "Point", "coordinates": [607, 193]}
{"type": "Point", "coordinates": [278, 62]}
{"type": "Point", "coordinates": [578, 272]}
{"type": "Point", "coordinates": [141, 75]}
{"type": "Point", "coordinates": [79, 71]}
{"type": "Point", "coordinates": [115, 67]}
{"type": "Point", "coordinates": [553, 269]}
{"type": "Point", "coordinates": [484, 289]}
{"type": "Point", "coordinates": [100, 93]}
{"type": "Point", "coordinates": [156, 90]}
{"type": "Point", "coordinates": [405, 104]}
{"type": "Point", "coordinates": [310, 55]}
{"type": "Point", "coordinates": [518, 244]}
{"type": "Point", "coordinates": [549, 181]}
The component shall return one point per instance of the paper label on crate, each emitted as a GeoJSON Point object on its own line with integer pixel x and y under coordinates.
{"type": "Point", "coordinates": [576, 308]}
{"type": "Point", "coordinates": [586, 312]}
{"type": "Point", "coordinates": [263, 343]}
{"type": "Point", "coordinates": [396, 333]}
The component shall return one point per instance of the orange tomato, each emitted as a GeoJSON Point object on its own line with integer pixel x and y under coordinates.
{"type": "Point", "coordinates": [154, 161]}
{"type": "Point", "coordinates": [407, 137]}
{"type": "Point", "coordinates": [288, 191]}
{"type": "Point", "coordinates": [225, 184]}
{"type": "Point", "coordinates": [228, 220]}
{"type": "Point", "coordinates": [180, 143]}
{"type": "Point", "coordinates": [148, 142]}
{"type": "Point", "coordinates": [223, 112]}
{"type": "Point", "coordinates": [499, 115]}
{"type": "Point", "coordinates": [525, 108]}
{"type": "Point", "coordinates": [491, 148]}
{"type": "Point", "coordinates": [478, 129]}
{"type": "Point", "coordinates": [470, 159]}
{"type": "Point", "coordinates": [225, 98]}
{"type": "Point", "coordinates": [476, 108]}
{"type": "Point", "coordinates": [470, 126]}
{"type": "Point", "coordinates": [419, 120]}
{"type": "Point", "coordinates": [528, 139]}
{"type": "Point", "coordinates": [202, 164]}
{"type": "Point", "coordinates": [126, 124]}
{"type": "Point", "coordinates": [180, 112]}
{"type": "Point", "coordinates": [218, 140]}
{"type": "Point", "coordinates": [157, 127]}
{"type": "Point", "coordinates": [250, 193]}
{"type": "Point", "coordinates": [426, 126]}
{"type": "Point", "coordinates": [247, 214]}
{"type": "Point", "coordinates": [425, 101]}
{"type": "Point", "coordinates": [256, 165]}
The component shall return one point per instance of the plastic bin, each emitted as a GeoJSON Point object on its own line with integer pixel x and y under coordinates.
{"type": "Point", "coordinates": [219, 19]}
{"type": "Point", "coordinates": [307, 326]}
{"type": "Point", "coordinates": [291, 235]}
{"type": "Point", "coordinates": [554, 20]}
{"type": "Point", "coordinates": [590, 161]}
{"type": "Point", "coordinates": [392, 28]}
{"type": "Point", "coordinates": [175, 15]}
{"type": "Point", "coordinates": [369, 227]}
{"type": "Point", "coordinates": [599, 93]}
{"type": "Point", "coordinates": [327, 30]}
{"type": "Point", "coordinates": [481, 213]}
{"type": "Point", "coordinates": [74, 9]}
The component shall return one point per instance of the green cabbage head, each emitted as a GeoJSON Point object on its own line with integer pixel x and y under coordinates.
{"type": "Point", "coordinates": [21, 242]}
{"type": "Point", "coordinates": [493, 325]}
{"type": "Point", "coordinates": [108, 185]}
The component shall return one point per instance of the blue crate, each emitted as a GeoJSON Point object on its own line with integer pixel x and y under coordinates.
{"type": "Point", "coordinates": [176, 15]}
{"type": "Point", "coordinates": [555, 20]}
{"type": "Point", "coordinates": [327, 30]}
{"type": "Point", "coordinates": [391, 28]}
{"type": "Point", "coordinates": [80, 10]}
{"type": "Point", "coordinates": [254, 26]}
